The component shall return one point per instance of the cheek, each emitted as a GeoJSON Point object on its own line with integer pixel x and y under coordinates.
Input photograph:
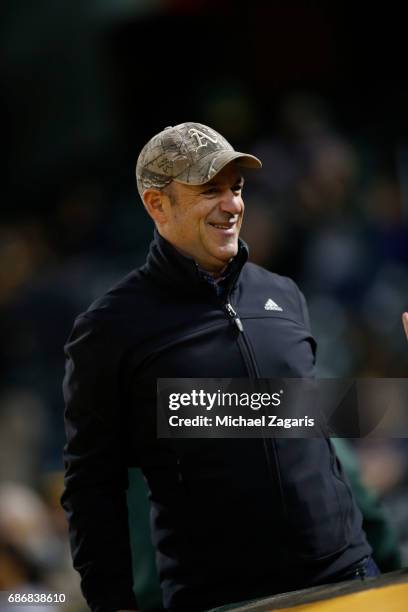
{"type": "Point", "coordinates": [179, 222]}
{"type": "Point", "coordinates": [188, 227]}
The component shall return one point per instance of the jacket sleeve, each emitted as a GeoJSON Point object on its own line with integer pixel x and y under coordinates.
{"type": "Point", "coordinates": [96, 480]}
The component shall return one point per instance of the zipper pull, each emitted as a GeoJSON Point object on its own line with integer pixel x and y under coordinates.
{"type": "Point", "coordinates": [231, 312]}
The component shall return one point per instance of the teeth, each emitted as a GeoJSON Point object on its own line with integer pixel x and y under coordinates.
{"type": "Point", "coordinates": [222, 226]}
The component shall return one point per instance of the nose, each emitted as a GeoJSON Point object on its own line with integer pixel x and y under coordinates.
{"type": "Point", "coordinates": [231, 202]}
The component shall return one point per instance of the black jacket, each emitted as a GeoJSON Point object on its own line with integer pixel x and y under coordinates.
{"type": "Point", "coordinates": [231, 519]}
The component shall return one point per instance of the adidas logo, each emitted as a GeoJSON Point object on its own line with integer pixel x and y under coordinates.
{"type": "Point", "coordinates": [271, 305]}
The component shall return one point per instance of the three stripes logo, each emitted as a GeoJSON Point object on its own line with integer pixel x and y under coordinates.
{"type": "Point", "coordinates": [271, 305]}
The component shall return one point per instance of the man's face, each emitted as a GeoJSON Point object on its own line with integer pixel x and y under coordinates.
{"type": "Point", "coordinates": [204, 221]}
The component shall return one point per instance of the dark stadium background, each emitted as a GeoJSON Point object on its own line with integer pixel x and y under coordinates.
{"type": "Point", "coordinates": [318, 90]}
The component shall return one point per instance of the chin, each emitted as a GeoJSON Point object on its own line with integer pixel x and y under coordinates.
{"type": "Point", "coordinates": [228, 251]}
{"type": "Point", "coordinates": [225, 255]}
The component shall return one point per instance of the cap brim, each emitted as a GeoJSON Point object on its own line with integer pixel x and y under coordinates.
{"type": "Point", "coordinates": [208, 166]}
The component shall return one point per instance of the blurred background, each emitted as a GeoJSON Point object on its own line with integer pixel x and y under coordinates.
{"type": "Point", "coordinates": [317, 90]}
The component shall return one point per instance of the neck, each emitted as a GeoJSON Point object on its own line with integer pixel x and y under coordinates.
{"type": "Point", "coordinates": [213, 273]}
{"type": "Point", "coordinates": [216, 274]}
{"type": "Point", "coordinates": [172, 268]}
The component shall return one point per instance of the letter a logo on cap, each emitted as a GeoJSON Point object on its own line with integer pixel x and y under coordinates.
{"type": "Point", "coordinates": [201, 136]}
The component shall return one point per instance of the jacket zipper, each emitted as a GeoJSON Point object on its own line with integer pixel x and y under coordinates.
{"type": "Point", "coordinates": [242, 340]}
{"type": "Point", "coordinates": [233, 315]}
{"type": "Point", "coordinates": [269, 444]}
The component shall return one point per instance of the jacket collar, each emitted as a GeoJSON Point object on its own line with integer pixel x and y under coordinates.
{"type": "Point", "coordinates": [167, 266]}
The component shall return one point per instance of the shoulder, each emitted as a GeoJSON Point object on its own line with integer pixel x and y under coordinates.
{"type": "Point", "coordinates": [285, 286]}
{"type": "Point", "coordinates": [120, 300]}
{"type": "Point", "coordinates": [129, 297]}
{"type": "Point", "coordinates": [108, 316]}
{"type": "Point", "coordinates": [258, 273]}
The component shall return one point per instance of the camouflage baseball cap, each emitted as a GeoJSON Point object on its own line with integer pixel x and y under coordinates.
{"type": "Point", "coordinates": [189, 153]}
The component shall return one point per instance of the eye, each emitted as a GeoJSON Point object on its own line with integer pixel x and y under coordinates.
{"type": "Point", "coordinates": [210, 191]}
{"type": "Point", "coordinates": [236, 189]}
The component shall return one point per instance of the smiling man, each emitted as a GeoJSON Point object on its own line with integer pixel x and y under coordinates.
{"type": "Point", "coordinates": [201, 221]}
{"type": "Point", "coordinates": [231, 519]}
{"type": "Point", "coordinates": [197, 206]}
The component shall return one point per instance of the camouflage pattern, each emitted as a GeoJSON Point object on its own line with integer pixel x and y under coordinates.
{"type": "Point", "coordinates": [189, 153]}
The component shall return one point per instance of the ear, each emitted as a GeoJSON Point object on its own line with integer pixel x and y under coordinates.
{"type": "Point", "coordinates": [153, 200]}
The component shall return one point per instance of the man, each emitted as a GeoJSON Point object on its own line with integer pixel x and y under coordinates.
{"type": "Point", "coordinates": [231, 519]}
